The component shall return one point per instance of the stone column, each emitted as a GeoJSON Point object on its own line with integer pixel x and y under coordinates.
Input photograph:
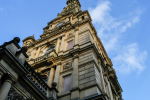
{"type": "Point", "coordinates": [5, 88]}
{"type": "Point", "coordinates": [51, 77]}
{"type": "Point", "coordinates": [75, 79]}
{"type": "Point", "coordinates": [57, 46]}
{"type": "Point", "coordinates": [62, 45]}
{"type": "Point", "coordinates": [102, 77]}
{"type": "Point", "coordinates": [57, 73]}
{"type": "Point", "coordinates": [76, 40]}
{"type": "Point", "coordinates": [110, 91]}
{"type": "Point", "coordinates": [1, 74]}
{"type": "Point", "coordinates": [37, 53]}
{"type": "Point", "coordinates": [33, 53]}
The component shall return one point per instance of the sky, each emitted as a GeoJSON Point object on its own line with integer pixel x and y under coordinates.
{"type": "Point", "coordinates": [122, 25]}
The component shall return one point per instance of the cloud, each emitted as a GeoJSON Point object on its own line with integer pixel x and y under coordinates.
{"type": "Point", "coordinates": [111, 30]}
{"type": "Point", "coordinates": [130, 59]}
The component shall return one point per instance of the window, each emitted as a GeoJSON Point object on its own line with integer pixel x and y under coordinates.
{"type": "Point", "coordinates": [82, 17]}
{"type": "Point", "coordinates": [49, 49]}
{"type": "Point", "coordinates": [70, 45]}
{"type": "Point", "coordinates": [67, 84]}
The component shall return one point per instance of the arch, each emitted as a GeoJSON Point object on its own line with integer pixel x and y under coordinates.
{"type": "Point", "coordinates": [49, 49]}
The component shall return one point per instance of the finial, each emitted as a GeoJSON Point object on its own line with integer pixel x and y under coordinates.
{"type": "Point", "coordinates": [54, 84]}
{"type": "Point", "coordinates": [17, 39]}
{"type": "Point", "coordinates": [24, 49]}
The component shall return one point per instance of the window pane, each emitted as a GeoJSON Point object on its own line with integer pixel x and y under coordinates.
{"type": "Point", "coordinates": [70, 45]}
{"type": "Point", "coordinates": [67, 84]}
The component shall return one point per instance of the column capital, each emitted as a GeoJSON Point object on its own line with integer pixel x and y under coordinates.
{"type": "Point", "coordinates": [58, 63]}
{"type": "Point", "coordinates": [76, 29]}
{"type": "Point", "coordinates": [76, 56]}
{"type": "Point", "coordinates": [9, 80]}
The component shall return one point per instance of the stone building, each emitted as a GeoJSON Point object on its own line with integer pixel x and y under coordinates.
{"type": "Point", "coordinates": [71, 54]}
{"type": "Point", "coordinates": [18, 80]}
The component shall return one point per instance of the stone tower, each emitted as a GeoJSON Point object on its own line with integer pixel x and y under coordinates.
{"type": "Point", "coordinates": [71, 54]}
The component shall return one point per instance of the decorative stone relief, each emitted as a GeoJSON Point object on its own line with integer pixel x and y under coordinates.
{"type": "Point", "coordinates": [13, 95]}
{"type": "Point", "coordinates": [67, 66]}
{"type": "Point", "coordinates": [70, 35]}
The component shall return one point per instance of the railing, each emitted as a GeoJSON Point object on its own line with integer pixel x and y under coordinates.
{"type": "Point", "coordinates": [52, 53]}
{"type": "Point", "coordinates": [34, 77]}
{"type": "Point", "coordinates": [39, 83]}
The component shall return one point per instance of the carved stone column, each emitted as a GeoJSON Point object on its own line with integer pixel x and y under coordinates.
{"type": "Point", "coordinates": [76, 38]}
{"type": "Point", "coordinates": [51, 77]}
{"type": "Point", "coordinates": [75, 75]}
{"type": "Point", "coordinates": [62, 45]}
{"type": "Point", "coordinates": [37, 53]}
{"type": "Point", "coordinates": [57, 46]}
{"type": "Point", "coordinates": [33, 53]}
{"type": "Point", "coordinates": [1, 74]}
{"type": "Point", "coordinates": [5, 88]}
{"type": "Point", "coordinates": [57, 73]}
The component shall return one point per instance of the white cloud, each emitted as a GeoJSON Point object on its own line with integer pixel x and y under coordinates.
{"type": "Point", "coordinates": [110, 31]}
{"type": "Point", "coordinates": [130, 59]}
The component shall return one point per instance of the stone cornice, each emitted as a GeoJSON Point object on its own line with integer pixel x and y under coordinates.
{"type": "Point", "coordinates": [59, 31]}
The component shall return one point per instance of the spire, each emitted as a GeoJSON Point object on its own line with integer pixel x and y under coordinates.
{"type": "Point", "coordinates": [72, 6]}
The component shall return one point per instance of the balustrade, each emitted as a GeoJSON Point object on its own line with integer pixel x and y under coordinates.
{"type": "Point", "coordinates": [52, 53]}
{"type": "Point", "coordinates": [39, 83]}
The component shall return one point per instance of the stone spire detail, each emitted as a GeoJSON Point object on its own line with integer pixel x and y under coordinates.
{"type": "Point", "coordinates": [72, 6]}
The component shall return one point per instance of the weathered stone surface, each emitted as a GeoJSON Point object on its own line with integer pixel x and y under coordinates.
{"type": "Point", "coordinates": [65, 98]}
{"type": "Point", "coordinates": [84, 72]}
{"type": "Point", "coordinates": [84, 81]}
{"type": "Point", "coordinates": [81, 77]}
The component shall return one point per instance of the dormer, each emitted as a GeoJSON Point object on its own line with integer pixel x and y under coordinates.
{"type": "Point", "coordinates": [28, 41]}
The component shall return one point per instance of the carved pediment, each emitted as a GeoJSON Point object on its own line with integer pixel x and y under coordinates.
{"type": "Point", "coordinates": [67, 66]}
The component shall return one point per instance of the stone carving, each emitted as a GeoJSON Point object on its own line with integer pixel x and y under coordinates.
{"type": "Point", "coordinates": [67, 65]}
{"type": "Point", "coordinates": [70, 35]}
{"type": "Point", "coordinates": [13, 95]}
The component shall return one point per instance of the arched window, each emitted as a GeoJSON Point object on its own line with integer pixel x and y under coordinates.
{"type": "Point", "coordinates": [49, 49]}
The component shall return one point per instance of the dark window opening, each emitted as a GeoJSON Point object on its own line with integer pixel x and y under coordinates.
{"type": "Point", "coordinates": [82, 17]}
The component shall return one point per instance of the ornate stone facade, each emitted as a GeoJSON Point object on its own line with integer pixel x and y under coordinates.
{"type": "Point", "coordinates": [70, 54]}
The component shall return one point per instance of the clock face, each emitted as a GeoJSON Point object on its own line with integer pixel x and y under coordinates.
{"type": "Point", "coordinates": [59, 24]}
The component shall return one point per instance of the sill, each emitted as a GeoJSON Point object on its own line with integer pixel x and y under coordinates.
{"type": "Point", "coordinates": [64, 94]}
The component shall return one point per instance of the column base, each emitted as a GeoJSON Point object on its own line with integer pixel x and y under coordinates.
{"type": "Point", "coordinates": [76, 46]}
{"type": "Point", "coordinates": [60, 53]}
{"type": "Point", "coordinates": [75, 95]}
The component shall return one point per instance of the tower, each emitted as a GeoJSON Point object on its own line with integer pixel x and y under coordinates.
{"type": "Point", "coordinates": [71, 54]}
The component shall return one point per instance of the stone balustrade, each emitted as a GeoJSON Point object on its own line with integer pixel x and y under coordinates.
{"type": "Point", "coordinates": [38, 81]}
{"type": "Point", "coordinates": [50, 54]}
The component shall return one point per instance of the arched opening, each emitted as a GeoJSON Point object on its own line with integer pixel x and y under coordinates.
{"type": "Point", "coordinates": [49, 49]}
{"type": "Point", "coordinates": [82, 17]}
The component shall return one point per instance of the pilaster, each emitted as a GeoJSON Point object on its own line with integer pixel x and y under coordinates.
{"type": "Point", "coordinates": [51, 77]}
{"type": "Point", "coordinates": [57, 46]}
{"type": "Point", "coordinates": [75, 84]}
{"type": "Point", "coordinates": [57, 73]}
{"type": "Point", "coordinates": [62, 46]}
{"type": "Point", "coordinates": [37, 53]}
{"type": "Point", "coordinates": [76, 38]}
{"type": "Point", "coordinates": [33, 53]}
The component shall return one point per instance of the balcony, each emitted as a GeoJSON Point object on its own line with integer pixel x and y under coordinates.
{"type": "Point", "coordinates": [48, 58]}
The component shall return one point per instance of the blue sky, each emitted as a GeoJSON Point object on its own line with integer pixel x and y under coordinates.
{"type": "Point", "coordinates": [122, 25]}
